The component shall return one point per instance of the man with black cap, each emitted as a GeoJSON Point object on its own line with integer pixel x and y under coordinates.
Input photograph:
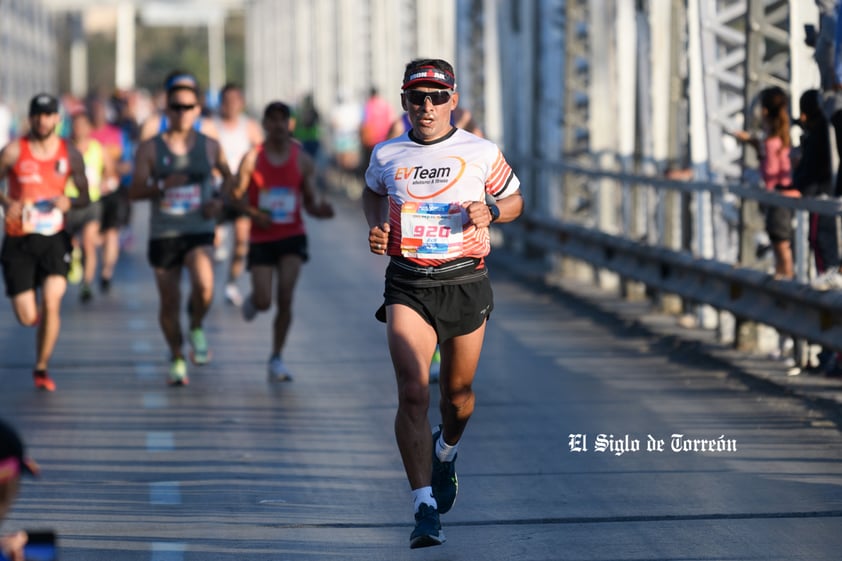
{"type": "Point", "coordinates": [175, 170]}
{"type": "Point", "coordinates": [36, 248]}
{"type": "Point", "coordinates": [431, 195]}
{"type": "Point", "coordinates": [13, 464]}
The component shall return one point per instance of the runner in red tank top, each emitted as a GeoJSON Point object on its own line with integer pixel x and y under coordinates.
{"type": "Point", "coordinates": [275, 184]}
{"type": "Point", "coordinates": [36, 249]}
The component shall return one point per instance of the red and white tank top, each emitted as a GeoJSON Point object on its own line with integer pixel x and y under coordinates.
{"type": "Point", "coordinates": [428, 186]}
{"type": "Point", "coordinates": [34, 181]}
{"type": "Point", "coordinates": [276, 189]}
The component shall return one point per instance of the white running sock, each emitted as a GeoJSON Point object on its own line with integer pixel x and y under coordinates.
{"type": "Point", "coordinates": [423, 495]}
{"type": "Point", "coordinates": [444, 451]}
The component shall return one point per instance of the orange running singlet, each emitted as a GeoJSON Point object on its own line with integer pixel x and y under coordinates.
{"type": "Point", "coordinates": [31, 181]}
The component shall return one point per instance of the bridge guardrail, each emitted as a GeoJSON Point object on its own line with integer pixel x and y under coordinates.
{"type": "Point", "coordinates": [791, 307]}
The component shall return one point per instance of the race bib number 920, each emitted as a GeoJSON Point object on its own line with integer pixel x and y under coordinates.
{"type": "Point", "coordinates": [431, 230]}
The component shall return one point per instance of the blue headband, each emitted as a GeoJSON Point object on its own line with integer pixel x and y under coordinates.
{"type": "Point", "coordinates": [174, 81]}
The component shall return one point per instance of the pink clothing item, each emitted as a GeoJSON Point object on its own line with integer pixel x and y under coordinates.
{"type": "Point", "coordinates": [776, 167]}
{"type": "Point", "coordinates": [109, 136]}
{"type": "Point", "coordinates": [377, 120]}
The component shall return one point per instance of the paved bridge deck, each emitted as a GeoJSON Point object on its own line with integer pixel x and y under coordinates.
{"type": "Point", "coordinates": [231, 468]}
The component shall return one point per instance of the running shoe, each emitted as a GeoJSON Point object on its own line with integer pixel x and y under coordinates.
{"type": "Point", "coordinates": [278, 371]}
{"type": "Point", "coordinates": [74, 275]}
{"type": "Point", "coordinates": [104, 285]}
{"type": "Point", "coordinates": [85, 293]}
{"type": "Point", "coordinates": [200, 354]}
{"type": "Point", "coordinates": [232, 295]}
{"type": "Point", "coordinates": [829, 280]}
{"type": "Point", "coordinates": [43, 381]}
{"type": "Point", "coordinates": [248, 310]}
{"type": "Point", "coordinates": [427, 530]}
{"type": "Point", "coordinates": [178, 372]}
{"type": "Point", "coordinates": [444, 482]}
{"type": "Point", "coordinates": [435, 367]}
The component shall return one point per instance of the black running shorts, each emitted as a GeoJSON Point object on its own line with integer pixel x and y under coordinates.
{"type": "Point", "coordinates": [451, 309]}
{"type": "Point", "coordinates": [268, 254]}
{"type": "Point", "coordinates": [28, 260]}
{"type": "Point", "coordinates": [115, 210]}
{"type": "Point", "coordinates": [168, 253]}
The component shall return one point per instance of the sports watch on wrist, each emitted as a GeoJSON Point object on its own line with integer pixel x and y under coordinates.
{"type": "Point", "coordinates": [495, 212]}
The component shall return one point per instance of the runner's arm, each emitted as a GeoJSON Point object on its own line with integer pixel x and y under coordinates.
{"type": "Point", "coordinates": [150, 127]}
{"type": "Point", "coordinates": [244, 175]}
{"type": "Point", "coordinates": [479, 212]}
{"type": "Point", "coordinates": [77, 173]}
{"type": "Point", "coordinates": [376, 210]}
{"type": "Point", "coordinates": [213, 207]}
{"type": "Point", "coordinates": [314, 204]}
{"type": "Point", "coordinates": [8, 157]}
{"type": "Point", "coordinates": [217, 155]}
{"type": "Point", "coordinates": [239, 200]}
{"type": "Point", "coordinates": [143, 185]}
{"type": "Point", "coordinates": [510, 207]}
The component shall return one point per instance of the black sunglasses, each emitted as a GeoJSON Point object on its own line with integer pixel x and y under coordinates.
{"type": "Point", "coordinates": [436, 97]}
{"type": "Point", "coordinates": [181, 107]}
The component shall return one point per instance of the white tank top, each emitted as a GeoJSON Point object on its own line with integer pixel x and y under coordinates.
{"type": "Point", "coordinates": [234, 140]}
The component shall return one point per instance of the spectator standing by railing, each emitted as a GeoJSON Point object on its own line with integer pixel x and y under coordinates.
{"type": "Point", "coordinates": [813, 177]}
{"type": "Point", "coordinates": [773, 148]}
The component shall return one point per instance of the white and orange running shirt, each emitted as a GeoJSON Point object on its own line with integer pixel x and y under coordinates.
{"type": "Point", "coordinates": [428, 187]}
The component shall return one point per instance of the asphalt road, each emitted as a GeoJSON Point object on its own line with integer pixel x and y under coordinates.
{"type": "Point", "coordinates": [231, 468]}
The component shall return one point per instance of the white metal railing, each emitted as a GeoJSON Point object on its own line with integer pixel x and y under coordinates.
{"type": "Point", "coordinates": [793, 307]}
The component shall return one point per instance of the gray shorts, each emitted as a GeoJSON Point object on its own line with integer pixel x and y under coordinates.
{"type": "Point", "coordinates": [76, 218]}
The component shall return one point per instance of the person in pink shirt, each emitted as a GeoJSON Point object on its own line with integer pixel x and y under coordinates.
{"type": "Point", "coordinates": [377, 120]}
{"type": "Point", "coordinates": [776, 168]}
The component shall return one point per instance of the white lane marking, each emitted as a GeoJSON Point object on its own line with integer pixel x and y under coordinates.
{"type": "Point", "coordinates": [160, 441]}
{"type": "Point", "coordinates": [155, 401]}
{"type": "Point", "coordinates": [137, 324]}
{"type": "Point", "coordinates": [166, 551]}
{"type": "Point", "coordinates": [164, 493]}
{"type": "Point", "coordinates": [146, 371]}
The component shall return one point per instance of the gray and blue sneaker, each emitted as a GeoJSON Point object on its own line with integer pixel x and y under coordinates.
{"type": "Point", "coordinates": [427, 530]}
{"type": "Point", "coordinates": [444, 482]}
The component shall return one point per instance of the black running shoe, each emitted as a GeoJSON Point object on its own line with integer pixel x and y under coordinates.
{"type": "Point", "coordinates": [427, 530]}
{"type": "Point", "coordinates": [444, 482]}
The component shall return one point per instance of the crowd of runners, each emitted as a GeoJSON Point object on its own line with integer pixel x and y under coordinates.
{"type": "Point", "coordinates": [71, 179]}
{"type": "Point", "coordinates": [432, 191]}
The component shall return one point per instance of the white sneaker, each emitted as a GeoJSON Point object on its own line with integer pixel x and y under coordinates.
{"type": "Point", "coordinates": [829, 280]}
{"type": "Point", "coordinates": [232, 295]}
{"type": "Point", "coordinates": [278, 371]}
{"type": "Point", "coordinates": [248, 310]}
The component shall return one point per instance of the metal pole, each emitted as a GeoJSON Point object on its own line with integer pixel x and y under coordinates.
{"type": "Point", "coordinates": [703, 243]}
{"type": "Point", "coordinates": [216, 52]}
{"type": "Point", "coordinates": [78, 56]}
{"type": "Point", "coordinates": [125, 70]}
